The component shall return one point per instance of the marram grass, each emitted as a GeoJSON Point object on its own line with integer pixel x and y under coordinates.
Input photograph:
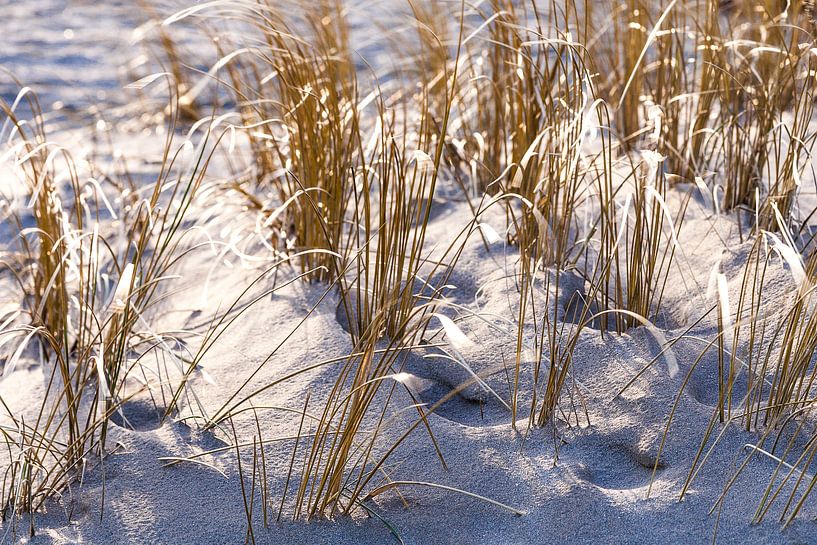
{"type": "Point", "coordinates": [590, 128]}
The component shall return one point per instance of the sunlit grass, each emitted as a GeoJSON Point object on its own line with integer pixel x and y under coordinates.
{"type": "Point", "coordinates": [591, 128]}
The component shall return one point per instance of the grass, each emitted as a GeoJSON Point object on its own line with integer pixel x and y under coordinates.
{"type": "Point", "coordinates": [583, 139]}
{"type": "Point", "coordinates": [86, 302]}
{"type": "Point", "coordinates": [163, 49]}
{"type": "Point", "coordinates": [298, 103]}
{"type": "Point", "coordinates": [771, 352]}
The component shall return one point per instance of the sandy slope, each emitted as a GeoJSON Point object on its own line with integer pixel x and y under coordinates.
{"type": "Point", "coordinates": [595, 491]}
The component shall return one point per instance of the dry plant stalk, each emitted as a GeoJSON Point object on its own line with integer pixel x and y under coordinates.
{"type": "Point", "coordinates": [88, 325]}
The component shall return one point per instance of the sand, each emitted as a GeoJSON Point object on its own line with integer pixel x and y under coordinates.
{"type": "Point", "coordinates": [584, 481]}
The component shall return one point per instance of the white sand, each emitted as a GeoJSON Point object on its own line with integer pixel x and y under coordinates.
{"type": "Point", "coordinates": [595, 492]}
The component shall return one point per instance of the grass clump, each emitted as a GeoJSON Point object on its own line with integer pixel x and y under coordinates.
{"type": "Point", "coordinates": [586, 124]}
{"type": "Point", "coordinates": [91, 280]}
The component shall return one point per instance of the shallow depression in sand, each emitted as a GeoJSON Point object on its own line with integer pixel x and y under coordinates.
{"type": "Point", "coordinates": [468, 412]}
{"type": "Point", "coordinates": [139, 415]}
{"type": "Point", "coordinates": [619, 467]}
{"type": "Point", "coordinates": [704, 382]}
